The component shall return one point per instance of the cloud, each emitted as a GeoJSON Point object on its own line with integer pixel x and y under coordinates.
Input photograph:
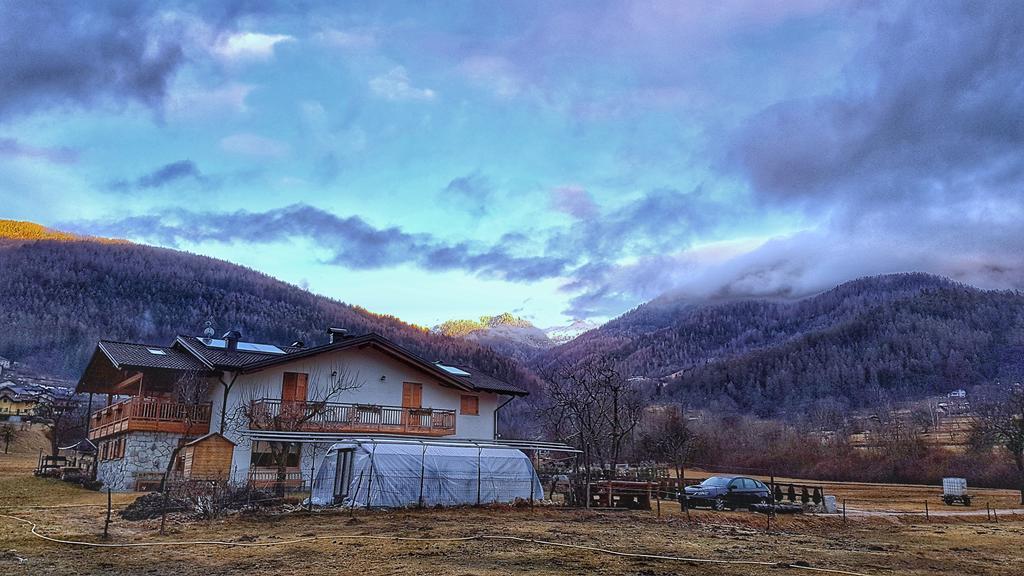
{"type": "Point", "coordinates": [164, 175]}
{"type": "Point", "coordinates": [933, 111]}
{"type": "Point", "coordinates": [472, 192]}
{"type": "Point", "coordinates": [53, 55]}
{"type": "Point", "coordinates": [244, 46]}
{"type": "Point", "coordinates": [11, 147]}
{"type": "Point", "coordinates": [913, 164]}
{"type": "Point", "coordinates": [395, 85]}
{"type": "Point", "coordinates": [350, 241]}
{"type": "Point", "coordinates": [574, 201]}
{"type": "Point", "coordinates": [248, 144]}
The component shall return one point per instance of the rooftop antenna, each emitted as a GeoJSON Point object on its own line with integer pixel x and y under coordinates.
{"type": "Point", "coordinates": [208, 332]}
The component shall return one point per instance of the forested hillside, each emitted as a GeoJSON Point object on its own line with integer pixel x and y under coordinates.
{"type": "Point", "coordinates": [57, 298]}
{"type": "Point", "coordinates": [887, 337]}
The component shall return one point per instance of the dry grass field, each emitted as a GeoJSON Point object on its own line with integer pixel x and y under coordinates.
{"type": "Point", "coordinates": [420, 541]}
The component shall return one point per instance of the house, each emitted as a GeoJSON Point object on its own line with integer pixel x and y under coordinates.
{"type": "Point", "coordinates": [273, 405]}
{"type": "Point", "coordinates": [18, 401]}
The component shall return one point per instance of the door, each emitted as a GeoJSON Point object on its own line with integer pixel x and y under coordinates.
{"type": "Point", "coordinates": [412, 399]}
{"type": "Point", "coordinates": [293, 389]}
{"type": "Point", "coordinates": [293, 393]}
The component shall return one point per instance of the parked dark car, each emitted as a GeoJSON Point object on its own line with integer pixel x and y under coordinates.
{"type": "Point", "coordinates": [721, 492]}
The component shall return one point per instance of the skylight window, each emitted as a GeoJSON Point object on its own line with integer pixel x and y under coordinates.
{"type": "Point", "coordinates": [157, 351]}
{"type": "Point", "coordinates": [453, 370]}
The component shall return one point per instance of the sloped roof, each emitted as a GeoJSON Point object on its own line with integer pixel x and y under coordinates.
{"type": "Point", "coordinates": [208, 436]}
{"type": "Point", "coordinates": [487, 383]}
{"type": "Point", "coordinates": [227, 359]}
{"type": "Point", "coordinates": [189, 353]}
{"type": "Point", "coordinates": [125, 354]}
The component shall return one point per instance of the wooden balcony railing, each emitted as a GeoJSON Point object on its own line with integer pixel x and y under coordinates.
{"type": "Point", "coordinates": [268, 414]}
{"type": "Point", "coordinates": [145, 414]}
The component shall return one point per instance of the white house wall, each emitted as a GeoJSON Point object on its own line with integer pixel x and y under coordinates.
{"type": "Point", "coordinates": [380, 377]}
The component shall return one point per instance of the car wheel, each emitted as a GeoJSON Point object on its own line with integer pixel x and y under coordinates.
{"type": "Point", "coordinates": [719, 504]}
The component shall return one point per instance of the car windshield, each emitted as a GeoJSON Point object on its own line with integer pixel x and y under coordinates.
{"type": "Point", "coordinates": [716, 481]}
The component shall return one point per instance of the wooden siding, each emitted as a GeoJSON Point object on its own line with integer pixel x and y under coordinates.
{"type": "Point", "coordinates": [209, 458]}
{"type": "Point", "coordinates": [144, 414]}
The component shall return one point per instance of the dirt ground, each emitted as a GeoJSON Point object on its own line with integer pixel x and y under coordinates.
{"type": "Point", "coordinates": [338, 541]}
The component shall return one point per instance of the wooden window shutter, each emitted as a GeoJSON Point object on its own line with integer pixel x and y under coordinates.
{"type": "Point", "coordinates": [412, 395]}
{"type": "Point", "coordinates": [294, 387]}
{"type": "Point", "coordinates": [470, 405]}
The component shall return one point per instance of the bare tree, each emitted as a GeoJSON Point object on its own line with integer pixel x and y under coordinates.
{"type": "Point", "coordinates": [590, 405]}
{"type": "Point", "coordinates": [325, 387]}
{"type": "Point", "coordinates": [7, 433]}
{"type": "Point", "coordinates": [999, 421]}
{"type": "Point", "coordinates": [668, 438]}
{"type": "Point", "coordinates": [62, 413]}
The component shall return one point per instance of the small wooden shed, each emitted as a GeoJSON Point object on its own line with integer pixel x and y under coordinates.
{"type": "Point", "coordinates": [207, 457]}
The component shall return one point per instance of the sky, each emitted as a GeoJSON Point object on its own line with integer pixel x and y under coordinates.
{"type": "Point", "coordinates": [557, 160]}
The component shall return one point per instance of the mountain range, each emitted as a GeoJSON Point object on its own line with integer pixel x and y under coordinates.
{"type": "Point", "coordinates": [513, 336]}
{"type": "Point", "coordinates": [864, 342]}
{"type": "Point", "coordinates": [60, 293]}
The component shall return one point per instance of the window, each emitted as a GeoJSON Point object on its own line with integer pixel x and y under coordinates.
{"type": "Point", "coordinates": [293, 389]}
{"type": "Point", "coordinates": [470, 405]}
{"type": "Point", "coordinates": [263, 457]}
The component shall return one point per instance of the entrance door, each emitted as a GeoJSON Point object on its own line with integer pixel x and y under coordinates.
{"type": "Point", "coordinates": [293, 394]}
{"type": "Point", "coordinates": [412, 399]}
{"type": "Point", "coordinates": [293, 389]}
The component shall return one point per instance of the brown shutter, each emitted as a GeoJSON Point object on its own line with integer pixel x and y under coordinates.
{"type": "Point", "coordinates": [288, 387]}
{"type": "Point", "coordinates": [412, 395]}
{"type": "Point", "coordinates": [470, 405]}
{"type": "Point", "coordinates": [293, 388]}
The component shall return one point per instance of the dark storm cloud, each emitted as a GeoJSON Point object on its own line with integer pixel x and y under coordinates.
{"type": "Point", "coordinates": [933, 108]}
{"type": "Point", "coordinates": [662, 219]}
{"type": "Point", "coordinates": [56, 53]}
{"type": "Point", "coordinates": [164, 175]}
{"type": "Point", "coordinates": [914, 164]}
{"type": "Point", "coordinates": [352, 241]}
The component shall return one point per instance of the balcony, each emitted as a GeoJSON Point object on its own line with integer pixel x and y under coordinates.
{"type": "Point", "coordinates": [270, 414]}
{"type": "Point", "coordinates": [144, 414]}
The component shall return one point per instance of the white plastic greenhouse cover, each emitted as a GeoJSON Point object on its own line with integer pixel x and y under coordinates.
{"type": "Point", "coordinates": [395, 475]}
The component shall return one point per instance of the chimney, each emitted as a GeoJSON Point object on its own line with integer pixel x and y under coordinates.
{"type": "Point", "coordinates": [337, 334]}
{"type": "Point", "coordinates": [231, 339]}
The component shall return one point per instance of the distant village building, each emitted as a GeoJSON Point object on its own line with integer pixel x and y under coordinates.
{"type": "Point", "coordinates": [18, 401]}
{"type": "Point", "coordinates": [223, 404]}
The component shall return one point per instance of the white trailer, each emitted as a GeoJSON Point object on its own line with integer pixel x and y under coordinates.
{"type": "Point", "coordinates": [954, 490]}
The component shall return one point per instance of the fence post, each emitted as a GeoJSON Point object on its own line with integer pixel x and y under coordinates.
{"type": "Point", "coordinates": [423, 471]}
{"type": "Point", "coordinates": [844, 510]}
{"type": "Point", "coordinates": [312, 475]}
{"type": "Point", "coordinates": [479, 474]}
{"type": "Point", "coordinates": [657, 496]}
{"type": "Point", "coordinates": [369, 478]}
{"type": "Point", "coordinates": [106, 525]}
{"type": "Point", "coordinates": [988, 512]}
{"type": "Point", "coordinates": [927, 518]}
